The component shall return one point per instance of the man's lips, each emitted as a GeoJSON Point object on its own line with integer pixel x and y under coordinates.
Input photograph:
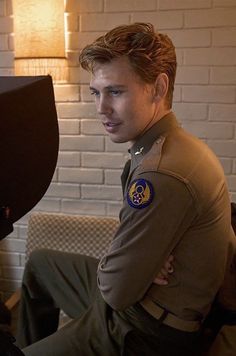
{"type": "Point", "coordinates": [111, 126]}
{"type": "Point", "coordinates": [111, 123]}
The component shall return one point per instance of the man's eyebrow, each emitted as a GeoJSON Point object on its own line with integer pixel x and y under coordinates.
{"type": "Point", "coordinates": [110, 87]}
{"type": "Point", "coordinates": [117, 86]}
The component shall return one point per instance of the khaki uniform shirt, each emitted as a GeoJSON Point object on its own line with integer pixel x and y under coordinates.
{"type": "Point", "coordinates": [175, 202]}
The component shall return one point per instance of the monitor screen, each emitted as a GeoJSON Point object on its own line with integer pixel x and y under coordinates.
{"type": "Point", "coordinates": [28, 144]}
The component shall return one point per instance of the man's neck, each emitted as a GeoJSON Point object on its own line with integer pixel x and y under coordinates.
{"type": "Point", "coordinates": [159, 115]}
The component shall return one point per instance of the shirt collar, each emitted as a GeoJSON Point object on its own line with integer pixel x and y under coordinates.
{"type": "Point", "coordinates": [145, 142]}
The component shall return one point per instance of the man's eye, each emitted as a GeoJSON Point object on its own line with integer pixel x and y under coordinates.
{"type": "Point", "coordinates": [115, 92]}
{"type": "Point", "coordinates": [94, 92]}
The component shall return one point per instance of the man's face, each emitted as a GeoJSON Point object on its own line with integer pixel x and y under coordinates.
{"type": "Point", "coordinates": [124, 102]}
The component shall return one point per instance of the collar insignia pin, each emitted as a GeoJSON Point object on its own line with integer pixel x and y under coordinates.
{"type": "Point", "coordinates": [139, 151]}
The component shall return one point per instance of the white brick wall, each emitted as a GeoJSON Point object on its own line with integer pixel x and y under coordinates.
{"type": "Point", "coordinates": [86, 180]}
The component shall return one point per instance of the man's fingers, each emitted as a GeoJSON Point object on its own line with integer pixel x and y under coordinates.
{"type": "Point", "coordinates": [168, 264]}
{"type": "Point", "coordinates": [160, 281]}
{"type": "Point", "coordinates": [162, 277]}
{"type": "Point", "coordinates": [171, 258]}
{"type": "Point", "coordinates": [164, 273]}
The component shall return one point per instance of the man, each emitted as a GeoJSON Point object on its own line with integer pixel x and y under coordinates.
{"type": "Point", "coordinates": [175, 203]}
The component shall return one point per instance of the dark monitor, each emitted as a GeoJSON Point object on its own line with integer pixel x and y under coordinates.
{"type": "Point", "coordinates": [29, 141]}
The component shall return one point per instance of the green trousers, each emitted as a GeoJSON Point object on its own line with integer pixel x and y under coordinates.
{"type": "Point", "coordinates": [56, 280]}
{"type": "Point", "coordinates": [53, 281]}
{"type": "Point", "coordinates": [225, 342]}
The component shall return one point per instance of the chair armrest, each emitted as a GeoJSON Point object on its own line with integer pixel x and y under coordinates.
{"type": "Point", "coordinates": [14, 299]}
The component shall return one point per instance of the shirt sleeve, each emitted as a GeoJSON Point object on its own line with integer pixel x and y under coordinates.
{"type": "Point", "coordinates": [145, 238]}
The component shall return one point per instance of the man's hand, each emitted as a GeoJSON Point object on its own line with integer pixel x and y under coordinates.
{"type": "Point", "coordinates": [162, 277]}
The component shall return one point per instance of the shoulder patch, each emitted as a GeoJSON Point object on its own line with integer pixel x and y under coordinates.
{"type": "Point", "coordinates": [140, 193]}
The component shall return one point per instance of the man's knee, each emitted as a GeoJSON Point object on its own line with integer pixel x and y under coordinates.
{"type": "Point", "coordinates": [38, 257]}
{"type": "Point", "coordinates": [35, 265]}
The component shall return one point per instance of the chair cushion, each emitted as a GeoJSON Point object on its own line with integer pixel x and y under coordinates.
{"type": "Point", "coordinates": [80, 234]}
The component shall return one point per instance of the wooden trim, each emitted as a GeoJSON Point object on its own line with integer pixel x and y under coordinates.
{"type": "Point", "coordinates": [13, 300]}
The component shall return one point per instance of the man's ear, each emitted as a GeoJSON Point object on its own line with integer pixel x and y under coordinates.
{"type": "Point", "coordinates": [161, 87]}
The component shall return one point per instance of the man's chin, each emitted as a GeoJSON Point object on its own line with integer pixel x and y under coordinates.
{"type": "Point", "coordinates": [116, 139]}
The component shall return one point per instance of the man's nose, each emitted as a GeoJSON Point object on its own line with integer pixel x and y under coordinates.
{"type": "Point", "coordinates": [103, 106]}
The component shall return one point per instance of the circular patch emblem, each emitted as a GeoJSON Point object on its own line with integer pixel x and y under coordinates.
{"type": "Point", "coordinates": [140, 193]}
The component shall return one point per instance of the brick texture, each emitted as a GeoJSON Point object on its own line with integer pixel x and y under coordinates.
{"type": "Point", "coordinates": [87, 177]}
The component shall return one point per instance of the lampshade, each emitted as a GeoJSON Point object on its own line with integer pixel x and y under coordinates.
{"type": "Point", "coordinates": [39, 39]}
